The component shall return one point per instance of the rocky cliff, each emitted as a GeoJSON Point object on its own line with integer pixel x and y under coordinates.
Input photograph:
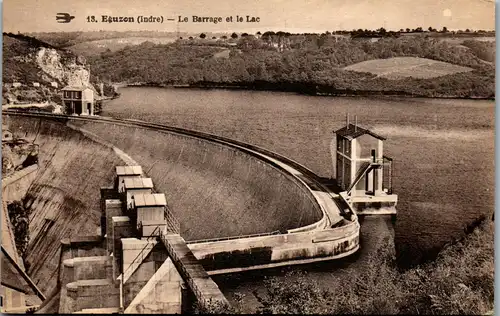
{"type": "Point", "coordinates": [34, 72]}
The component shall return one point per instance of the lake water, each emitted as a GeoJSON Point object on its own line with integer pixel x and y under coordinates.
{"type": "Point", "coordinates": [443, 150]}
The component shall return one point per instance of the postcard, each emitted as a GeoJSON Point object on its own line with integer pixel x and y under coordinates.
{"type": "Point", "coordinates": [216, 156]}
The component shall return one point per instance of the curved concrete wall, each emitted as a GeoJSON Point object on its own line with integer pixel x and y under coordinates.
{"type": "Point", "coordinates": [214, 190]}
{"type": "Point", "coordinates": [14, 186]}
{"type": "Point", "coordinates": [276, 250]}
{"type": "Point", "coordinates": [64, 195]}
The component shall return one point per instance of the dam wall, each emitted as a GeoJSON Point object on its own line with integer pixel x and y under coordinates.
{"type": "Point", "coordinates": [64, 194]}
{"type": "Point", "coordinates": [214, 190]}
{"type": "Point", "coordinates": [269, 251]}
{"type": "Point", "coordinates": [15, 186]}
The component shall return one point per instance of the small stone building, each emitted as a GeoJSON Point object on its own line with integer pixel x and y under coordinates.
{"type": "Point", "coordinates": [78, 100]}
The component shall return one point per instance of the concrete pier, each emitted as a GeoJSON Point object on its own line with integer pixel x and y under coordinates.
{"type": "Point", "coordinates": [192, 271]}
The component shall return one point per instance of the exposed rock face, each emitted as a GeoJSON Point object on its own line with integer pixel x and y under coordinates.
{"type": "Point", "coordinates": [79, 76]}
{"type": "Point", "coordinates": [18, 154]}
{"type": "Point", "coordinates": [26, 62]}
{"type": "Point", "coordinates": [50, 63]}
{"type": "Point", "coordinates": [72, 72]}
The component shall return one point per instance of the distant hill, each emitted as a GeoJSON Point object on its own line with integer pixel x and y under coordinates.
{"type": "Point", "coordinates": [95, 47]}
{"type": "Point", "coordinates": [308, 64]}
{"type": "Point", "coordinates": [29, 40]}
{"type": "Point", "coordinates": [68, 39]}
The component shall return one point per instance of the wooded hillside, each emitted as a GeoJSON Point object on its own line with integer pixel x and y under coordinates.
{"type": "Point", "coordinates": [311, 60]}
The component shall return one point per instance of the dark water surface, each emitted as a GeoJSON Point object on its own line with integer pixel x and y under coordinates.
{"type": "Point", "coordinates": [443, 149]}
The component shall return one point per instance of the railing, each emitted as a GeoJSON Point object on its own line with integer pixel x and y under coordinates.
{"type": "Point", "coordinates": [186, 275]}
{"type": "Point", "coordinates": [387, 176]}
{"type": "Point", "coordinates": [198, 241]}
{"type": "Point", "coordinates": [173, 224]}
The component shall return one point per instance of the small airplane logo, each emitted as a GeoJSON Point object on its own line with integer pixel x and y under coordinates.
{"type": "Point", "coordinates": [64, 17]}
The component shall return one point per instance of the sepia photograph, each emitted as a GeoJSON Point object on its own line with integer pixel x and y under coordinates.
{"type": "Point", "coordinates": [248, 157]}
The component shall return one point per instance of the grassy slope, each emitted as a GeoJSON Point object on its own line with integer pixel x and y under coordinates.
{"type": "Point", "coordinates": [14, 70]}
{"type": "Point", "coordinates": [94, 47]}
{"type": "Point", "coordinates": [66, 191]}
{"type": "Point", "coordinates": [402, 67]}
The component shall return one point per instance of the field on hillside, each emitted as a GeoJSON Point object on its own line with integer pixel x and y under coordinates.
{"type": "Point", "coordinates": [458, 40]}
{"type": "Point", "coordinates": [404, 67]}
{"type": "Point", "coordinates": [115, 44]}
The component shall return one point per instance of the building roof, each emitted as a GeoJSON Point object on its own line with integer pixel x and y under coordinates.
{"type": "Point", "coordinates": [352, 131]}
{"type": "Point", "coordinates": [75, 88]}
{"type": "Point", "coordinates": [128, 170]}
{"type": "Point", "coordinates": [156, 199]}
{"type": "Point", "coordinates": [138, 183]}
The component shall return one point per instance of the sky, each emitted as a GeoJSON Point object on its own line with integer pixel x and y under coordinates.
{"type": "Point", "coordinates": [286, 15]}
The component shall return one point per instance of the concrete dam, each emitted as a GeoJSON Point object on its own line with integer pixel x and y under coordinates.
{"type": "Point", "coordinates": [215, 190]}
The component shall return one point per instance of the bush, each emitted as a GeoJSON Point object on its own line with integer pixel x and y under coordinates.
{"type": "Point", "coordinates": [214, 307]}
{"type": "Point", "coordinates": [459, 282]}
{"type": "Point", "coordinates": [19, 218]}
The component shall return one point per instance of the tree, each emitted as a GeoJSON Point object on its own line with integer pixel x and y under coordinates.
{"type": "Point", "coordinates": [214, 307]}
{"type": "Point", "coordinates": [408, 30]}
{"type": "Point", "coordinates": [445, 29]}
{"type": "Point", "coordinates": [203, 35]}
{"type": "Point", "coordinates": [300, 296]}
{"type": "Point", "coordinates": [213, 37]}
{"type": "Point", "coordinates": [268, 33]}
{"type": "Point", "coordinates": [224, 37]}
{"type": "Point", "coordinates": [19, 218]}
{"type": "Point", "coordinates": [234, 36]}
{"type": "Point", "coordinates": [244, 35]}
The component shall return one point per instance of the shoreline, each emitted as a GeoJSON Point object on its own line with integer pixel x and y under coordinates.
{"type": "Point", "coordinates": [293, 88]}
